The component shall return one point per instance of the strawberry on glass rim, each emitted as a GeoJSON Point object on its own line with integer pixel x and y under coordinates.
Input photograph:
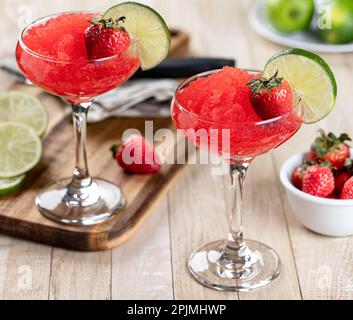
{"type": "Point", "coordinates": [270, 97]}
{"type": "Point", "coordinates": [106, 38]}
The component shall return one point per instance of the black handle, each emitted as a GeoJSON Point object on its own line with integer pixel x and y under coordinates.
{"type": "Point", "coordinates": [183, 68]}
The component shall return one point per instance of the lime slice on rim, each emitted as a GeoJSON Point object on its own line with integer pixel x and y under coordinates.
{"type": "Point", "coordinates": [20, 148]}
{"type": "Point", "coordinates": [11, 185]}
{"type": "Point", "coordinates": [310, 77]}
{"type": "Point", "coordinates": [25, 108]}
{"type": "Point", "coordinates": [147, 27]}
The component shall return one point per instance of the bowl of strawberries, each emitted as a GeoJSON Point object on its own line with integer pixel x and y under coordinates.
{"type": "Point", "coordinates": [319, 185]}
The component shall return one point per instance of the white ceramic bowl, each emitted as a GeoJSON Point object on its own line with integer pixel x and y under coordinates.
{"type": "Point", "coordinates": [331, 217]}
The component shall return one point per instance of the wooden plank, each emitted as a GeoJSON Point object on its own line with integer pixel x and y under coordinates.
{"type": "Point", "coordinates": [24, 266]}
{"type": "Point", "coordinates": [264, 221]}
{"type": "Point", "coordinates": [197, 216]}
{"type": "Point", "coordinates": [199, 212]}
{"type": "Point", "coordinates": [80, 275]}
{"type": "Point", "coordinates": [141, 268]}
{"type": "Point", "coordinates": [24, 270]}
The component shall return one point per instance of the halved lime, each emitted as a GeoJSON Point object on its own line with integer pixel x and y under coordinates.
{"type": "Point", "coordinates": [310, 77]}
{"type": "Point", "coordinates": [25, 108]}
{"type": "Point", "coordinates": [148, 29]}
{"type": "Point", "coordinates": [11, 185]}
{"type": "Point", "coordinates": [20, 149]}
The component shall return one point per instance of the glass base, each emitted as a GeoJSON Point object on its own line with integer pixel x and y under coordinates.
{"type": "Point", "coordinates": [90, 205]}
{"type": "Point", "coordinates": [259, 266]}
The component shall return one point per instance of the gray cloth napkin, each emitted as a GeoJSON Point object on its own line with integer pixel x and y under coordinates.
{"type": "Point", "coordinates": [135, 98]}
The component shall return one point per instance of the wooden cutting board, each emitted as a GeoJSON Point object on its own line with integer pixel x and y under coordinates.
{"type": "Point", "coordinates": [18, 214]}
{"type": "Point", "coordinates": [20, 218]}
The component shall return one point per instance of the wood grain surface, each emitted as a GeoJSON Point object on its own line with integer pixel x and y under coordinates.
{"type": "Point", "coordinates": [153, 263]}
{"type": "Point", "coordinates": [19, 216]}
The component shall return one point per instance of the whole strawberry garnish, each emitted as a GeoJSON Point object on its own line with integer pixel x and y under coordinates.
{"type": "Point", "coordinates": [271, 97]}
{"type": "Point", "coordinates": [106, 38]}
{"type": "Point", "coordinates": [318, 181]}
{"type": "Point", "coordinates": [340, 180]}
{"type": "Point", "coordinates": [333, 149]}
{"type": "Point", "coordinates": [347, 191]}
{"type": "Point", "coordinates": [136, 155]}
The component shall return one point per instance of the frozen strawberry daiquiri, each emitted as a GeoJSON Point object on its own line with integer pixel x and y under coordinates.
{"type": "Point", "coordinates": [241, 114]}
{"type": "Point", "coordinates": [77, 56]}
{"type": "Point", "coordinates": [53, 55]}
{"type": "Point", "coordinates": [224, 100]}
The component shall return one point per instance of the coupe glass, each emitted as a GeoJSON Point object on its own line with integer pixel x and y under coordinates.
{"type": "Point", "coordinates": [235, 264]}
{"type": "Point", "coordinates": [81, 199]}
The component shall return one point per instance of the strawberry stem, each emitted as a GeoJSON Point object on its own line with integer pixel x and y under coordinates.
{"type": "Point", "coordinates": [326, 143]}
{"type": "Point", "coordinates": [109, 23]}
{"type": "Point", "coordinates": [115, 148]}
{"type": "Point", "coordinates": [258, 84]}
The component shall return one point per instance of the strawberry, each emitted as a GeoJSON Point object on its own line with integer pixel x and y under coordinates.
{"type": "Point", "coordinates": [347, 191]}
{"type": "Point", "coordinates": [318, 181]}
{"type": "Point", "coordinates": [333, 149]}
{"type": "Point", "coordinates": [271, 97]}
{"type": "Point", "coordinates": [340, 180]}
{"type": "Point", "coordinates": [136, 155]}
{"type": "Point", "coordinates": [310, 156]}
{"type": "Point", "coordinates": [106, 38]}
{"type": "Point", "coordinates": [297, 177]}
{"type": "Point", "coordinates": [298, 173]}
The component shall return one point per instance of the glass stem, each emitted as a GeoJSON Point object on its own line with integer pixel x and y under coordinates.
{"type": "Point", "coordinates": [82, 190]}
{"type": "Point", "coordinates": [81, 177]}
{"type": "Point", "coordinates": [235, 241]}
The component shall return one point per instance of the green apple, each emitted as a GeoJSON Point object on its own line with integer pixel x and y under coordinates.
{"type": "Point", "coordinates": [340, 14]}
{"type": "Point", "coordinates": [289, 15]}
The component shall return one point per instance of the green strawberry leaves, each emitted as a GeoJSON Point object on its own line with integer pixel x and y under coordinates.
{"type": "Point", "coordinates": [328, 143]}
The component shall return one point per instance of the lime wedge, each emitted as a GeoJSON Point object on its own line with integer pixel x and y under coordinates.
{"type": "Point", "coordinates": [20, 148]}
{"type": "Point", "coordinates": [11, 185]}
{"type": "Point", "coordinates": [310, 77]}
{"type": "Point", "coordinates": [25, 108]}
{"type": "Point", "coordinates": [147, 28]}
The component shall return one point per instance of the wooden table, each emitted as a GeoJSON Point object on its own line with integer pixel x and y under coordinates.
{"type": "Point", "coordinates": [153, 264]}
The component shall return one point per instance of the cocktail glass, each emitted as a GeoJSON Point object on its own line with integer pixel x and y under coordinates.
{"type": "Point", "coordinates": [235, 264]}
{"type": "Point", "coordinates": [81, 199]}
